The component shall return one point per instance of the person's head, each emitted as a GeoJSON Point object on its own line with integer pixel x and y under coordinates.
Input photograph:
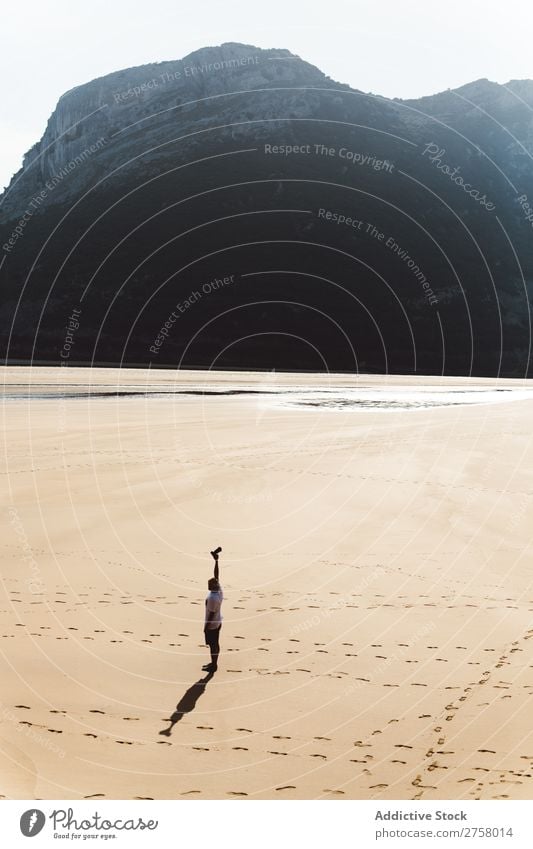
{"type": "Point", "coordinates": [213, 585]}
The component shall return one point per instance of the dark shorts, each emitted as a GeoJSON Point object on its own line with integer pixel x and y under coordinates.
{"type": "Point", "coordinates": [212, 636]}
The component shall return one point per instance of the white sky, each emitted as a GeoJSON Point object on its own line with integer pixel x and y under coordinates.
{"type": "Point", "coordinates": [397, 48]}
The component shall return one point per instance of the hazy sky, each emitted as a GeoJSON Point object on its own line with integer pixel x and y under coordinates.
{"type": "Point", "coordinates": [398, 48]}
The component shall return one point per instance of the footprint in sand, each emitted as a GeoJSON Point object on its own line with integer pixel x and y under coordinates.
{"type": "Point", "coordinates": [88, 734]}
{"type": "Point", "coordinates": [26, 707]}
{"type": "Point", "coordinates": [190, 792]}
{"type": "Point", "coordinates": [94, 710]}
{"type": "Point", "coordinates": [240, 749]}
{"type": "Point", "coordinates": [286, 787]}
{"type": "Point", "coordinates": [95, 796]}
{"type": "Point", "coordinates": [236, 793]}
{"type": "Point", "coordinates": [124, 742]}
{"type": "Point", "coordinates": [417, 782]}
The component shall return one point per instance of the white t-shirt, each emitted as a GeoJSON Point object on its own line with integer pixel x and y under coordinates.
{"type": "Point", "coordinates": [213, 604]}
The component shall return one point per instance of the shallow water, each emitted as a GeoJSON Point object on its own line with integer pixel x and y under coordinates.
{"type": "Point", "coordinates": [403, 398]}
{"type": "Point", "coordinates": [326, 398]}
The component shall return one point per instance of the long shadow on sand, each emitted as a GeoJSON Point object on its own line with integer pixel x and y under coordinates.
{"type": "Point", "coordinates": [187, 703]}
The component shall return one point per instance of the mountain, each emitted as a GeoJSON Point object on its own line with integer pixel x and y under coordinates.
{"type": "Point", "coordinates": [238, 208]}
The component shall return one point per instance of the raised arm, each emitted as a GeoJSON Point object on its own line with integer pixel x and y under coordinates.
{"type": "Point", "coordinates": [215, 555]}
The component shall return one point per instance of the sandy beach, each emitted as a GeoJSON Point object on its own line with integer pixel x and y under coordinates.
{"type": "Point", "coordinates": [376, 569]}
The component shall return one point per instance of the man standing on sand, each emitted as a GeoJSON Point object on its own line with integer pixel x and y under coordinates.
{"type": "Point", "coordinates": [213, 616]}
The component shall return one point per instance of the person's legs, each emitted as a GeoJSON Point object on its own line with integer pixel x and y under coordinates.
{"type": "Point", "coordinates": [212, 637]}
{"type": "Point", "coordinates": [215, 647]}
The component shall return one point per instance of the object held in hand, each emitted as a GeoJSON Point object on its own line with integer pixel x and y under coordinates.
{"type": "Point", "coordinates": [216, 552]}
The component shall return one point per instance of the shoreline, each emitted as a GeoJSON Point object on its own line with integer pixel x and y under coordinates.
{"type": "Point", "coordinates": [38, 364]}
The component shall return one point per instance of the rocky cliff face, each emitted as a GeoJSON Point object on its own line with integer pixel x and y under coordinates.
{"type": "Point", "coordinates": [353, 232]}
{"type": "Point", "coordinates": [154, 101]}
